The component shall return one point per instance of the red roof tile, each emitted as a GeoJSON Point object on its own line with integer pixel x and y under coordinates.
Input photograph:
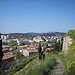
{"type": "Point", "coordinates": [33, 47]}
{"type": "Point", "coordinates": [7, 55]}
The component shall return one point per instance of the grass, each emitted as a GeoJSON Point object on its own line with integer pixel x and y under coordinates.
{"type": "Point", "coordinates": [21, 65]}
{"type": "Point", "coordinates": [39, 67]}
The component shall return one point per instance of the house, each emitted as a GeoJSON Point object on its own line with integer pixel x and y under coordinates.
{"type": "Point", "coordinates": [5, 50]}
{"type": "Point", "coordinates": [29, 53]}
{"type": "Point", "coordinates": [5, 47]}
{"type": "Point", "coordinates": [32, 48]}
{"type": "Point", "coordinates": [23, 41]}
{"type": "Point", "coordinates": [8, 57]}
{"type": "Point", "coordinates": [44, 47]}
{"type": "Point", "coordinates": [37, 39]}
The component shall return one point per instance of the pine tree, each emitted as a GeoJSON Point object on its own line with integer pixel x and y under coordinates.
{"type": "Point", "coordinates": [40, 51]}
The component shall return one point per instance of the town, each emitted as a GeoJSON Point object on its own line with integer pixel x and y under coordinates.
{"type": "Point", "coordinates": [20, 47]}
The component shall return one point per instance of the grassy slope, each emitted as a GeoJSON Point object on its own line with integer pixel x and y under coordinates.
{"type": "Point", "coordinates": [69, 58]}
{"type": "Point", "coordinates": [39, 67]}
{"type": "Point", "coordinates": [71, 33]}
{"type": "Point", "coordinates": [33, 67]}
{"type": "Point", "coordinates": [59, 68]}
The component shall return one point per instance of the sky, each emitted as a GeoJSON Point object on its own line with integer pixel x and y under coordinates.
{"type": "Point", "coordinates": [21, 16]}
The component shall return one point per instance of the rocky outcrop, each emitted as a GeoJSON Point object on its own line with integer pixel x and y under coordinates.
{"type": "Point", "coordinates": [67, 41]}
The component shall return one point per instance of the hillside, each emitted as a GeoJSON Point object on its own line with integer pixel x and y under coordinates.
{"type": "Point", "coordinates": [39, 67]}
{"type": "Point", "coordinates": [54, 63]}
{"type": "Point", "coordinates": [71, 33]}
{"type": "Point", "coordinates": [69, 57]}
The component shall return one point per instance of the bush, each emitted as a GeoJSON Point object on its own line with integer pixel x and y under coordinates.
{"type": "Point", "coordinates": [21, 65]}
{"type": "Point", "coordinates": [44, 68]}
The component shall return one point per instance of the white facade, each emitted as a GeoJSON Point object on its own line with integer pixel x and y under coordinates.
{"type": "Point", "coordinates": [37, 39]}
{"type": "Point", "coordinates": [25, 53]}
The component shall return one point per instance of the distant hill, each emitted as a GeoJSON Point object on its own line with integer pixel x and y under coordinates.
{"type": "Point", "coordinates": [35, 33]}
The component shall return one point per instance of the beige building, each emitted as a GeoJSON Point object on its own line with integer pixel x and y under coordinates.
{"type": "Point", "coordinates": [37, 39]}
{"type": "Point", "coordinates": [28, 53]}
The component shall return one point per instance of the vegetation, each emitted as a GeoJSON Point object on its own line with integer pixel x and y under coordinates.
{"type": "Point", "coordinates": [5, 43]}
{"type": "Point", "coordinates": [57, 46]}
{"type": "Point", "coordinates": [71, 33]}
{"type": "Point", "coordinates": [69, 57]}
{"type": "Point", "coordinates": [39, 67]}
{"type": "Point", "coordinates": [22, 43]}
{"type": "Point", "coordinates": [40, 51]}
{"type": "Point", "coordinates": [14, 48]}
{"type": "Point", "coordinates": [18, 55]}
{"type": "Point", "coordinates": [11, 44]}
{"type": "Point", "coordinates": [21, 65]}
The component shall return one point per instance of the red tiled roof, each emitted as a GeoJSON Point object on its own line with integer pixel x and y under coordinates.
{"type": "Point", "coordinates": [33, 47]}
{"type": "Point", "coordinates": [33, 51]}
{"type": "Point", "coordinates": [7, 55]}
{"type": "Point", "coordinates": [30, 51]}
{"type": "Point", "coordinates": [4, 49]}
{"type": "Point", "coordinates": [10, 39]}
{"type": "Point", "coordinates": [17, 50]}
{"type": "Point", "coordinates": [44, 46]}
{"type": "Point", "coordinates": [5, 46]}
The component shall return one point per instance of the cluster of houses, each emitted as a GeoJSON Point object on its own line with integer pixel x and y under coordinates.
{"type": "Point", "coordinates": [52, 38]}
{"type": "Point", "coordinates": [31, 50]}
{"type": "Point", "coordinates": [35, 39]}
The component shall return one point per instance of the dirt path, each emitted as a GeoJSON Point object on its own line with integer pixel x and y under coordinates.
{"type": "Point", "coordinates": [59, 68]}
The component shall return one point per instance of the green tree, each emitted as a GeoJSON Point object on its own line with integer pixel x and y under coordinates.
{"type": "Point", "coordinates": [61, 43]}
{"type": "Point", "coordinates": [5, 43]}
{"type": "Point", "coordinates": [40, 51]}
{"type": "Point", "coordinates": [18, 55]}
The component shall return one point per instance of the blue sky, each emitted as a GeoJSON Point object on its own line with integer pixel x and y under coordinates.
{"type": "Point", "coordinates": [23, 16]}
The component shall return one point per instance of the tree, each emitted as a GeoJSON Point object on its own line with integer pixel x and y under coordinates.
{"type": "Point", "coordinates": [22, 43]}
{"type": "Point", "coordinates": [47, 45]}
{"type": "Point", "coordinates": [5, 43]}
{"type": "Point", "coordinates": [40, 51]}
{"type": "Point", "coordinates": [18, 55]}
{"type": "Point", "coordinates": [61, 42]}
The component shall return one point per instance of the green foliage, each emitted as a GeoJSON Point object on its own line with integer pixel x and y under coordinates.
{"type": "Point", "coordinates": [14, 48]}
{"type": "Point", "coordinates": [22, 43]}
{"type": "Point", "coordinates": [40, 51]}
{"type": "Point", "coordinates": [21, 65]}
{"type": "Point", "coordinates": [71, 33]}
{"type": "Point", "coordinates": [11, 44]}
{"type": "Point", "coordinates": [57, 46]}
{"type": "Point", "coordinates": [23, 47]}
{"type": "Point", "coordinates": [69, 58]}
{"type": "Point", "coordinates": [18, 55]}
{"type": "Point", "coordinates": [39, 67]}
{"type": "Point", "coordinates": [5, 43]}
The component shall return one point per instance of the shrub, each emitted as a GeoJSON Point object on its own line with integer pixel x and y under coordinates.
{"type": "Point", "coordinates": [44, 68]}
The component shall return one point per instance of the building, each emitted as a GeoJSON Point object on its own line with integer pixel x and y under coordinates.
{"type": "Point", "coordinates": [37, 39]}
{"type": "Point", "coordinates": [5, 47]}
{"type": "Point", "coordinates": [32, 48]}
{"type": "Point", "coordinates": [29, 53]}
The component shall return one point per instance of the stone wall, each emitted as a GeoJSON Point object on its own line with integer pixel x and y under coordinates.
{"type": "Point", "coordinates": [67, 41]}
